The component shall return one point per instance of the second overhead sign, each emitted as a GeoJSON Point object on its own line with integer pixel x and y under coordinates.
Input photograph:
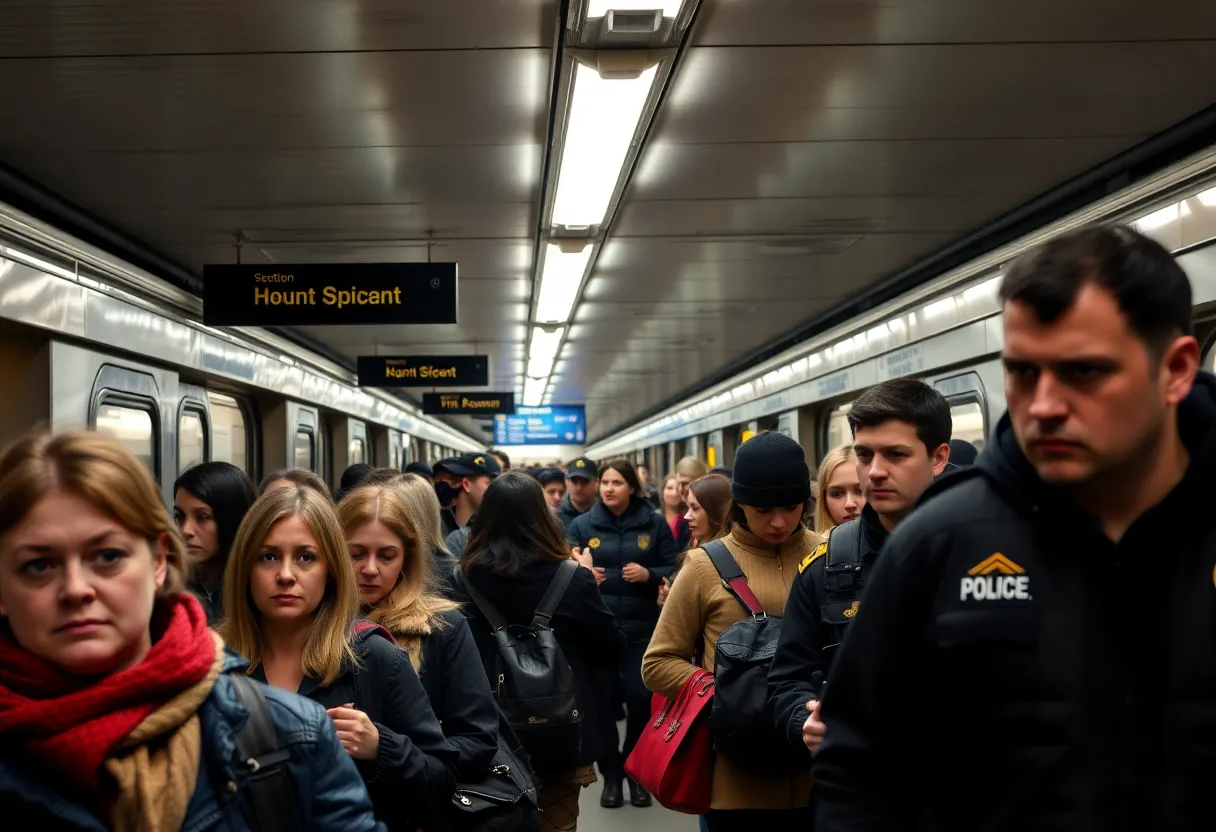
{"type": "Point", "coordinates": [423, 371]}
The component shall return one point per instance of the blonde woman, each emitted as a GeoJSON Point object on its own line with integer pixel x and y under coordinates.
{"type": "Point", "coordinates": [395, 575]}
{"type": "Point", "coordinates": [838, 494]}
{"type": "Point", "coordinates": [419, 495]}
{"type": "Point", "coordinates": [117, 704]}
{"type": "Point", "coordinates": [291, 599]}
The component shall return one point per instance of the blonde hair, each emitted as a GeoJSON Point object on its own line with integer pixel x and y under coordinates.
{"type": "Point", "coordinates": [832, 460]}
{"type": "Point", "coordinates": [327, 648]}
{"type": "Point", "coordinates": [692, 468]}
{"type": "Point", "coordinates": [423, 506]}
{"type": "Point", "coordinates": [98, 469]}
{"type": "Point", "coordinates": [412, 608]}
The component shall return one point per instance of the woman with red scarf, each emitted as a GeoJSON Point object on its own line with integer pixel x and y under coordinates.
{"type": "Point", "coordinates": [116, 708]}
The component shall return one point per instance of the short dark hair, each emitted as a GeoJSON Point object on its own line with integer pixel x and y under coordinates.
{"type": "Point", "coordinates": [1150, 288]}
{"type": "Point", "coordinates": [353, 476]}
{"type": "Point", "coordinates": [625, 468]}
{"type": "Point", "coordinates": [905, 400]}
{"type": "Point", "coordinates": [503, 459]}
{"type": "Point", "coordinates": [514, 527]}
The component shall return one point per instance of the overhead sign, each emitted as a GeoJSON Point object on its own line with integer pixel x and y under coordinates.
{"type": "Point", "coordinates": [552, 425]}
{"type": "Point", "coordinates": [329, 293]}
{"type": "Point", "coordinates": [468, 404]}
{"type": "Point", "coordinates": [423, 370]}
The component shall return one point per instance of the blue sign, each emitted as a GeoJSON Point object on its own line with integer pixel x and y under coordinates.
{"type": "Point", "coordinates": [553, 425]}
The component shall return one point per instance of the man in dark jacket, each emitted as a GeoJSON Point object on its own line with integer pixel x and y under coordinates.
{"type": "Point", "coordinates": [582, 484]}
{"type": "Point", "coordinates": [467, 477]}
{"type": "Point", "coordinates": [900, 431]}
{"type": "Point", "coordinates": [1036, 649]}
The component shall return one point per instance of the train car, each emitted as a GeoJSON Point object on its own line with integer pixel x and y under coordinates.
{"type": "Point", "coordinates": [87, 341]}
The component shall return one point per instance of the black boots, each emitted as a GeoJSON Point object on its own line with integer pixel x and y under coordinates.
{"type": "Point", "coordinates": [637, 795]}
{"type": "Point", "coordinates": [612, 798]}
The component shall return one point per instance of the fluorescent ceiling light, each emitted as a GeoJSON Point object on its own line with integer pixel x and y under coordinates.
{"type": "Point", "coordinates": [543, 351]}
{"type": "Point", "coordinates": [603, 117]}
{"type": "Point", "coordinates": [599, 8]}
{"type": "Point", "coordinates": [534, 391]}
{"type": "Point", "coordinates": [561, 276]}
{"type": "Point", "coordinates": [1208, 197]}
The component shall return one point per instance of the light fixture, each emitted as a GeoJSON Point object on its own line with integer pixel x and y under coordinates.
{"type": "Point", "coordinates": [603, 117]}
{"type": "Point", "coordinates": [534, 390]}
{"type": "Point", "coordinates": [599, 8]}
{"type": "Point", "coordinates": [561, 276]}
{"type": "Point", "coordinates": [543, 351]}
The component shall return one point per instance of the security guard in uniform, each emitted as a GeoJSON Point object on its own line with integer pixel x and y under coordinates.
{"type": "Point", "coordinates": [1036, 649]}
{"type": "Point", "coordinates": [901, 430]}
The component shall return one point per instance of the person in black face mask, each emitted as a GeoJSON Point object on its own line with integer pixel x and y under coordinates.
{"type": "Point", "coordinates": [466, 478]}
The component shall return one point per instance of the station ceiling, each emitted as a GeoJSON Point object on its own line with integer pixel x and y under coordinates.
{"type": "Point", "coordinates": [801, 152]}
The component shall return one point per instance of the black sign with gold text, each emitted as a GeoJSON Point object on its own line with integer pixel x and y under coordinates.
{"type": "Point", "coordinates": [423, 370]}
{"type": "Point", "coordinates": [468, 404]}
{"type": "Point", "coordinates": [329, 293]}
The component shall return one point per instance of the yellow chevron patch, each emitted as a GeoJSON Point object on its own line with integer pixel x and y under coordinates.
{"type": "Point", "coordinates": [996, 562]}
{"type": "Point", "coordinates": [820, 551]}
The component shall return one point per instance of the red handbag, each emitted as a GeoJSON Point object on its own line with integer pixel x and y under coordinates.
{"type": "Point", "coordinates": [674, 757]}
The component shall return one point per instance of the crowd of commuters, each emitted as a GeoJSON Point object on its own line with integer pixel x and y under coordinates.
{"type": "Point", "coordinates": [963, 642]}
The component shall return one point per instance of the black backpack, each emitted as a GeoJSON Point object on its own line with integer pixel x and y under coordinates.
{"type": "Point", "coordinates": [741, 720]}
{"type": "Point", "coordinates": [533, 681]}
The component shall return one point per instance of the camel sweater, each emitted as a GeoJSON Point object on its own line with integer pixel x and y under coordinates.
{"type": "Point", "coordinates": [698, 605]}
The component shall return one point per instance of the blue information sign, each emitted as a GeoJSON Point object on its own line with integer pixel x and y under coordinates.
{"type": "Point", "coordinates": [552, 425]}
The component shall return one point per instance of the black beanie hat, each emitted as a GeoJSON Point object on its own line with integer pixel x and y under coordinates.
{"type": "Point", "coordinates": [770, 471]}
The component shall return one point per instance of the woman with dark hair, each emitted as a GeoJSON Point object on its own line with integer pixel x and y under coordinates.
{"type": "Point", "coordinates": [767, 537]}
{"type": "Point", "coordinates": [511, 557]}
{"type": "Point", "coordinates": [209, 502]}
{"type": "Point", "coordinates": [630, 549]}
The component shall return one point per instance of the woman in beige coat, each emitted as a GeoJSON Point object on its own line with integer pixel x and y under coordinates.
{"type": "Point", "coordinates": [771, 490]}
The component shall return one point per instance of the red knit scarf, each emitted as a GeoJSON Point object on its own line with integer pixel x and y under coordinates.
{"type": "Point", "coordinates": [71, 723]}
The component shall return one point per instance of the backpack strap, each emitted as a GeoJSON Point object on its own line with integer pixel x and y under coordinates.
{"type": "Point", "coordinates": [491, 613]}
{"type": "Point", "coordinates": [733, 578]}
{"type": "Point", "coordinates": [553, 595]}
{"type": "Point", "coordinates": [268, 803]}
{"type": "Point", "coordinates": [842, 570]}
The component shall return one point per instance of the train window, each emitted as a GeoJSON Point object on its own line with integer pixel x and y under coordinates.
{"type": "Point", "coordinates": [358, 451]}
{"type": "Point", "coordinates": [132, 427]}
{"type": "Point", "coordinates": [838, 427]}
{"type": "Point", "coordinates": [229, 433]}
{"type": "Point", "coordinates": [304, 450]}
{"type": "Point", "coordinates": [191, 440]}
{"type": "Point", "coordinates": [968, 419]}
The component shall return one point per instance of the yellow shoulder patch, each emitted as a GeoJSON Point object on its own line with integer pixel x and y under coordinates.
{"type": "Point", "coordinates": [820, 551]}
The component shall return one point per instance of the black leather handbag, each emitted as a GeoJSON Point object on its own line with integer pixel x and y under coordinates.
{"type": "Point", "coordinates": [505, 799]}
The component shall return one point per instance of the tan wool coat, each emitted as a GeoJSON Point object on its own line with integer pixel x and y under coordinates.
{"type": "Point", "coordinates": [698, 605]}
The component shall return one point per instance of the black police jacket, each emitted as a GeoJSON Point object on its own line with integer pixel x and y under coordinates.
{"type": "Point", "coordinates": [567, 513]}
{"type": "Point", "coordinates": [640, 536]}
{"type": "Point", "coordinates": [1012, 668]}
{"type": "Point", "coordinates": [813, 626]}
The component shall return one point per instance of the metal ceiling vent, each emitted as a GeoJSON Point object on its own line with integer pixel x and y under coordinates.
{"type": "Point", "coordinates": [631, 24]}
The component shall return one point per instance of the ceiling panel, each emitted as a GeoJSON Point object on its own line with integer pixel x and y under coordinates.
{"type": "Point", "coordinates": [774, 22]}
{"type": "Point", "coordinates": [287, 102]}
{"type": "Point", "coordinates": [30, 28]}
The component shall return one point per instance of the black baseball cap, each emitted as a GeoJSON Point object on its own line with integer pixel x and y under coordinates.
{"type": "Point", "coordinates": [583, 467]}
{"type": "Point", "coordinates": [470, 465]}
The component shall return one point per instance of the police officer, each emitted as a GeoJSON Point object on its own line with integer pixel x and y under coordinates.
{"type": "Point", "coordinates": [901, 430]}
{"type": "Point", "coordinates": [582, 487]}
{"type": "Point", "coordinates": [1037, 645]}
{"type": "Point", "coordinates": [466, 478]}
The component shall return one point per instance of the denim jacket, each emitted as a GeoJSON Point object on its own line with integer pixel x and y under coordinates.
{"type": "Point", "coordinates": [330, 793]}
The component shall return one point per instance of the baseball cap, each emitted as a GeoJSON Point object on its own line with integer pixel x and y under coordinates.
{"type": "Point", "coordinates": [583, 467]}
{"type": "Point", "coordinates": [547, 475]}
{"type": "Point", "coordinates": [470, 465]}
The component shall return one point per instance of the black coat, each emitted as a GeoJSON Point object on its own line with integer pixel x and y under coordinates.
{"type": "Point", "coordinates": [1013, 668]}
{"type": "Point", "coordinates": [641, 536]}
{"type": "Point", "coordinates": [455, 683]}
{"type": "Point", "coordinates": [583, 625]}
{"type": "Point", "coordinates": [812, 630]}
{"type": "Point", "coordinates": [567, 513]}
{"type": "Point", "coordinates": [413, 775]}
